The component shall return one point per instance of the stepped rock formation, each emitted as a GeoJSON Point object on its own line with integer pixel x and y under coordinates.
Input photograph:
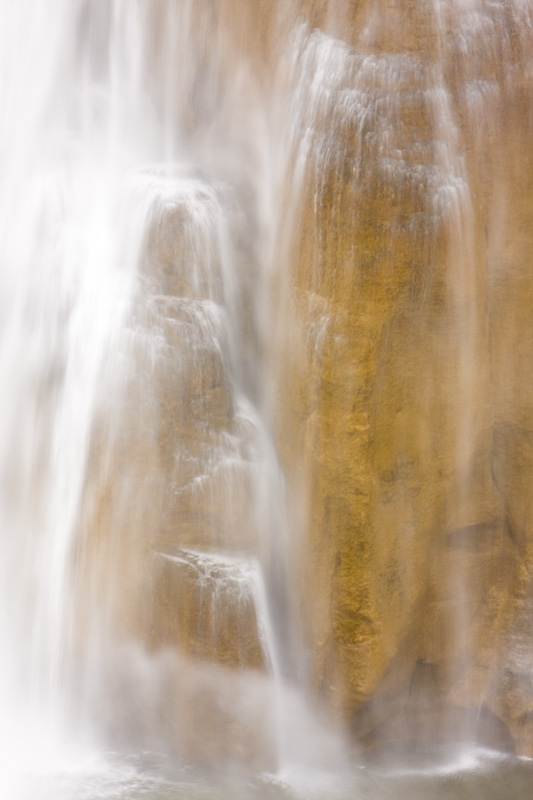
{"type": "Point", "coordinates": [394, 326]}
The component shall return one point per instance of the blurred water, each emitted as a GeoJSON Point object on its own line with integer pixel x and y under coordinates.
{"type": "Point", "coordinates": [131, 243]}
{"type": "Point", "coordinates": [144, 777]}
{"type": "Point", "coordinates": [119, 156]}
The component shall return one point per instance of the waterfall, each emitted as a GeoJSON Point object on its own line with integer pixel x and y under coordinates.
{"type": "Point", "coordinates": [66, 274]}
{"type": "Point", "coordinates": [264, 439]}
{"type": "Point", "coordinates": [143, 505]}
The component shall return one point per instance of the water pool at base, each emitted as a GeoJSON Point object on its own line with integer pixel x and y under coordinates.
{"type": "Point", "coordinates": [146, 777]}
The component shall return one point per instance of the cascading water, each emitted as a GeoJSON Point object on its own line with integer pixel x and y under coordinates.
{"type": "Point", "coordinates": [185, 188]}
{"type": "Point", "coordinates": [65, 279]}
{"type": "Point", "coordinates": [132, 427]}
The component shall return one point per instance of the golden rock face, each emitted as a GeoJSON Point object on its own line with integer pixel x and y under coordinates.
{"type": "Point", "coordinates": [406, 424]}
{"type": "Point", "coordinates": [396, 328]}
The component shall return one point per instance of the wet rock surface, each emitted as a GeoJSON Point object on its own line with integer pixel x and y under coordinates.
{"type": "Point", "coordinates": [395, 322]}
{"type": "Point", "coordinates": [406, 404]}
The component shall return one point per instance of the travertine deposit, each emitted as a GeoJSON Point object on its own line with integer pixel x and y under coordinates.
{"type": "Point", "coordinates": [385, 304]}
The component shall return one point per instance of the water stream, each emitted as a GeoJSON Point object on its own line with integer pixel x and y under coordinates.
{"type": "Point", "coordinates": [150, 642]}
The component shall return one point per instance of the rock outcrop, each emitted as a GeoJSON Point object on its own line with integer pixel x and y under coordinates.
{"type": "Point", "coordinates": [403, 361]}
{"type": "Point", "coordinates": [394, 326]}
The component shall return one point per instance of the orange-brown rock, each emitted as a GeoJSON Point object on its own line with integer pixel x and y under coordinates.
{"type": "Point", "coordinates": [395, 322]}
{"type": "Point", "coordinates": [405, 410]}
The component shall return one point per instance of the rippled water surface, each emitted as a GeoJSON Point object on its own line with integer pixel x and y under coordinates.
{"type": "Point", "coordinates": [147, 778]}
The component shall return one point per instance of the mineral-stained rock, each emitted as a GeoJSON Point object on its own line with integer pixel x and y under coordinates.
{"type": "Point", "coordinates": [207, 602]}
{"type": "Point", "coordinates": [416, 718]}
{"type": "Point", "coordinates": [396, 325]}
{"type": "Point", "coordinates": [169, 539]}
{"type": "Point", "coordinates": [405, 413]}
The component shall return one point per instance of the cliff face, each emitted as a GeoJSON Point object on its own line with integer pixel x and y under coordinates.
{"type": "Point", "coordinates": [390, 298]}
{"type": "Point", "coordinates": [403, 370]}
